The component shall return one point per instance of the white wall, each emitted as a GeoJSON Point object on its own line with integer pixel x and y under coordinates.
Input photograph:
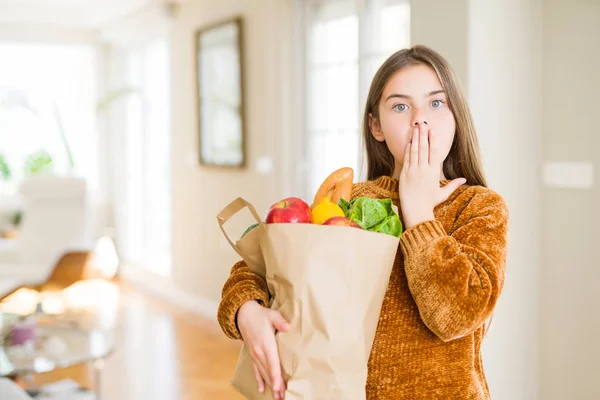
{"type": "Point", "coordinates": [444, 26]}
{"type": "Point", "coordinates": [202, 258]}
{"type": "Point", "coordinates": [571, 219]}
{"type": "Point", "coordinates": [44, 34]}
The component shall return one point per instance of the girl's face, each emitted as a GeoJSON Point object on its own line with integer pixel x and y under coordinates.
{"type": "Point", "coordinates": [413, 98]}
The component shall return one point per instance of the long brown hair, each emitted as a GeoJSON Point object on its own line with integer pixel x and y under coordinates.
{"type": "Point", "coordinates": [464, 159]}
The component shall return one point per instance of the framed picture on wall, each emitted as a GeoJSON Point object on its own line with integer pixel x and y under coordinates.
{"type": "Point", "coordinates": [220, 94]}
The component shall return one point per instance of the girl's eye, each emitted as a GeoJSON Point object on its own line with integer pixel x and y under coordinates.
{"type": "Point", "coordinates": [437, 103]}
{"type": "Point", "coordinates": [400, 107]}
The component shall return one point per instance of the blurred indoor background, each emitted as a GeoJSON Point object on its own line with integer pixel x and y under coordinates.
{"type": "Point", "coordinates": [111, 173]}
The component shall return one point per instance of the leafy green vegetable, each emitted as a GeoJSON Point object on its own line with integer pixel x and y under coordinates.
{"type": "Point", "coordinates": [367, 212]}
{"type": "Point", "coordinates": [387, 203]}
{"type": "Point", "coordinates": [391, 226]}
{"type": "Point", "coordinates": [345, 206]}
{"type": "Point", "coordinates": [373, 215]}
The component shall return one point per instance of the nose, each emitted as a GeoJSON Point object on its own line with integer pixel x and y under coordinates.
{"type": "Point", "coordinates": [419, 118]}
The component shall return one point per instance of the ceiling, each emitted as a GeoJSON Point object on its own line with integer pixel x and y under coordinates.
{"type": "Point", "coordinates": [75, 14]}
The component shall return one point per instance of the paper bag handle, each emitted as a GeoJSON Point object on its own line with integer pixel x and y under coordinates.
{"type": "Point", "coordinates": [229, 211]}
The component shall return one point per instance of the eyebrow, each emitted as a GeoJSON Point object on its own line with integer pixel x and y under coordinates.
{"type": "Point", "coordinates": [404, 96]}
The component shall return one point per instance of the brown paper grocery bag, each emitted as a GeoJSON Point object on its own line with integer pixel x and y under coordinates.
{"type": "Point", "coordinates": [329, 283]}
{"type": "Point", "coordinates": [247, 247]}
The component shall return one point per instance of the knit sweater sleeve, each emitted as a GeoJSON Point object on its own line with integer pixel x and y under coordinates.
{"type": "Point", "coordinates": [241, 286]}
{"type": "Point", "coordinates": [456, 278]}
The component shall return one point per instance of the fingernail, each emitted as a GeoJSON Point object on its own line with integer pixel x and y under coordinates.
{"type": "Point", "coordinates": [261, 389]}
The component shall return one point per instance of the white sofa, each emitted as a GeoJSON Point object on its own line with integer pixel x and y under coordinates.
{"type": "Point", "coordinates": [11, 391]}
{"type": "Point", "coordinates": [56, 219]}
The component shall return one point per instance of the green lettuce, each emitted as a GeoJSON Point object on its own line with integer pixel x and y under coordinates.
{"type": "Point", "coordinates": [391, 226]}
{"type": "Point", "coordinates": [367, 212]}
{"type": "Point", "coordinates": [345, 206]}
{"type": "Point", "coordinates": [373, 215]}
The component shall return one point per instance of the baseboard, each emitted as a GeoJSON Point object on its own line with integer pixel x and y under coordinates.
{"type": "Point", "coordinates": [165, 288]}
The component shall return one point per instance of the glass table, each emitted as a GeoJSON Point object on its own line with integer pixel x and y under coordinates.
{"type": "Point", "coordinates": [72, 345]}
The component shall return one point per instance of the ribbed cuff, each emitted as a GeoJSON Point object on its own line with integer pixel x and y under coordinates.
{"type": "Point", "coordinates": [419, 235]}
{"type": "Point", "coordinates": [241, 293]}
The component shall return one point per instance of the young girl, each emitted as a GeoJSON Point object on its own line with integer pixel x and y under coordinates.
{"type": "Point", "coordinates": [422, 152]}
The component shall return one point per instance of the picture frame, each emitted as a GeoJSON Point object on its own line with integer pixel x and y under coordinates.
{"type": "Point", "coordinates": [220, 94]}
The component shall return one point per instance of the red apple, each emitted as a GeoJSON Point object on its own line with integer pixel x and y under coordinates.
{"type": "Point", "coordinates": [341, 221]}
{"type": "Point", "coordinates": [290, 210]}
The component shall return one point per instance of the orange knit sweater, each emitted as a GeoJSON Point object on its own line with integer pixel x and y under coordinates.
{"type": "Point", "coordinates": [444, 285]}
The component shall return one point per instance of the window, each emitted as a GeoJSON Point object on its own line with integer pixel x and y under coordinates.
{"type": "Point", "coordinates": [46, 89]}
{"type": "Point", "coordinates": [147, 181]}
{"type": "Point", "coordinates": [347, 40]}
